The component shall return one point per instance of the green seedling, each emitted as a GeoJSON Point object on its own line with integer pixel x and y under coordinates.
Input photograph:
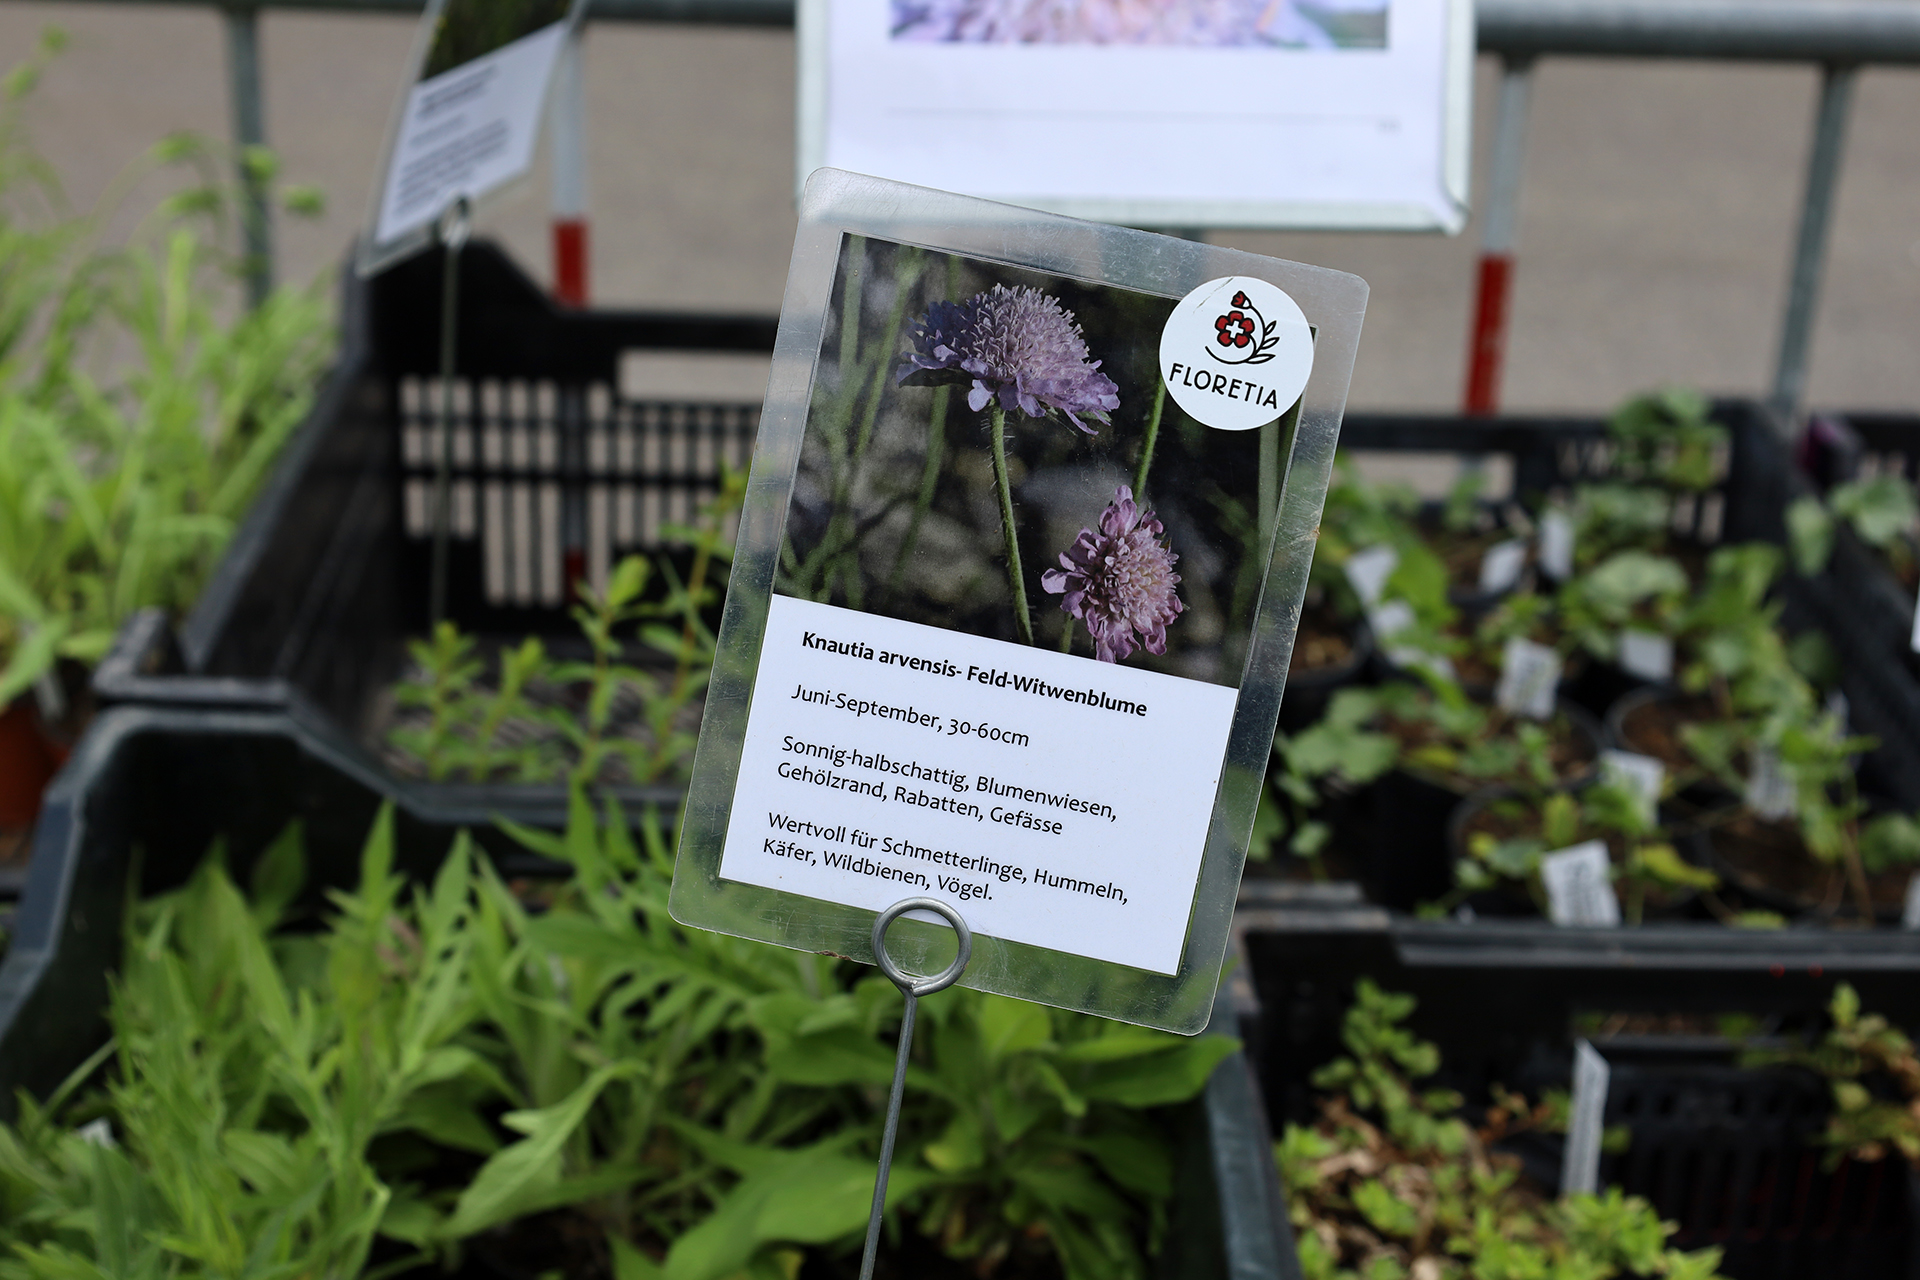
{"type": "Point", "coordinates": [1393, 1181]}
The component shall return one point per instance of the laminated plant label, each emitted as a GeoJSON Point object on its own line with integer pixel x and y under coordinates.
{"type": "Point", "coordinates": [1001, 657]}
{"type": "Point", "coordinates": [1009, 616]}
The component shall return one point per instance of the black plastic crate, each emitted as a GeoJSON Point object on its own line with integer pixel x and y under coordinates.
{"type": "Point", "coordinates": [1729, 1154]}
{"type": "Point", "coordinates": [1867, 613]}
{"type": "Point", "coordinates": [555, 474]}
{"type": "Point", "coordinates": [150, 789]}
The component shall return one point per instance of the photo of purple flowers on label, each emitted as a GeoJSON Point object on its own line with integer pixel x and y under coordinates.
{"type": "Point", "coordinates": [1286, 24]}
{"type": "Point", "coordinates": [996, 451]}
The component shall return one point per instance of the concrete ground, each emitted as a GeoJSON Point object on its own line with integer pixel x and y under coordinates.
{"type": "Point", "coordinates": [1656, 225]}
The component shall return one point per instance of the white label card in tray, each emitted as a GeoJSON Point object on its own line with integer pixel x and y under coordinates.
{"type": "Point", "coordinates": [1913, 641]}
{"type": "Point", "coordinates": [1910, 912]}
{"type": "Point", "coordinates": [1055, 801]}
{"type": "Point", "coordinates": [1646, 654]}
{"type": "Point", "coordinates": [1580, 1161]}
{"type": "Point", "coordinates": [1500, 567]}
{"type": "Point", "coordinates": [1529, 678]}
{"type": "Point", "coordinates": [1771, 793]}
{"type": "Point", "coordinates": [1369, 570]}
{"type": "Point", "coordinates": [1579, 883]}
{"type": "Point", "coordinates": [1556, 544]}
{"type": "Point", "coordinates": [1641, 777]}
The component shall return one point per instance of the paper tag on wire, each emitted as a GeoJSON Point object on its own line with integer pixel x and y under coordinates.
{"type": "Point", "coordinates": [1529, 678]}
{"type": "Point", "coordinates": [1500, 567]}
{"type": "Point", "coordinates": [1646, 654]}
{"type": "Point", "coordinates": [1639, 776]}
{"type": "Point", "coordinates": [1770, 792]}
{"type": "Point", "coordinates": [1579, 882]}
{"type": "Point", "coordinates": [1368, 571]}
{"type": "Point", "coordinates": [1556, 544]}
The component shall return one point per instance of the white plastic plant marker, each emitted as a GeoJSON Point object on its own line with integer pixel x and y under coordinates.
{"type": "Point", "coordinates": [1910, 910]}
{"type": "Point", "coordinates": [1586, 1121]}
{"type": "Point", "coordinates": [1555, 538]}
{"type": "Point", "coordinates": [1770, 792]}
{"type": "Point", "coordinates": [1579, 883]}
{"type": "Point", "coordinates": [1529, 679]}
{"type": "Point", "coordinates": [977, 646]}
{"type": "Point", "coordinates": [1369, 570]}
{"type": "Point", "coordinates": [1501, 566]}
{"type": "Point", "coordinates": [1641, 777]}
{"type": "Point", "coordinates": [468, 124]}
{"type": "Point", "coordinates": [1646, 654]}
{"type": "Point", "coordinates": [1913, 639]}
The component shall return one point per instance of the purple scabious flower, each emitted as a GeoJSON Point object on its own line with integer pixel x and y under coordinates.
{"type": "Point", "coordinates": [1017, 346]}
{"type": "Point", "coordinates": [1119, 581]}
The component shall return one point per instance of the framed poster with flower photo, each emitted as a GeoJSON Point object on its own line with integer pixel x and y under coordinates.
{"type": "Point", "coordinates": [1026, 536]}
{"type": "Point", "coordinates": [1349, 114]}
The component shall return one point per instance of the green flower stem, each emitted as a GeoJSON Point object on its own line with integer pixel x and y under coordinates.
{"type": "Point", "coordinates": [1022, 620]}
{"type": "Point", "coordinates": [1153, 437]}
{"type": "Point", "coordinates": [929, 482]}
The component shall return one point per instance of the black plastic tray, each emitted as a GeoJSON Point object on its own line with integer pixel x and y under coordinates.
{"type": "Point", "coordinates": [151, 788]}
{"type": "Point", "coordinates": [1727, 1154]}
{"type": "Point", "coordinates": [311, 607]}
{"type": "Point", "coordinates": [1864, 610]}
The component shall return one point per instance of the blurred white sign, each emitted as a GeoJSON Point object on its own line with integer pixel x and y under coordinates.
{"type": "Point", "coordinates": [1200, 113]}
{"type": "Point", "coordinates": [471, 116]}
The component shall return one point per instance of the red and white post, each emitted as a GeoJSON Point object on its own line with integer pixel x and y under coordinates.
{"type": "Point", "coordinates": [569, 130]}
{"type": "Point", "coordinates": [1487, 347]}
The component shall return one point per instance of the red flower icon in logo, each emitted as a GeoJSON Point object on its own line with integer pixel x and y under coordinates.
{"type": "Point", "coordinates": [1233, 329]}
{"type": "Point", "coordinates": [1243, 335]}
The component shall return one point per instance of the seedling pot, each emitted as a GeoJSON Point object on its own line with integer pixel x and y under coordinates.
{"type": "Point", "coordinates": [1514, 900]}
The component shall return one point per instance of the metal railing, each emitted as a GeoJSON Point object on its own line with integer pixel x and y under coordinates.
{"type": "Point", "coordinates": [1840, 36]}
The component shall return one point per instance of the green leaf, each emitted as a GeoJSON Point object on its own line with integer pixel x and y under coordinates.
{"type": "Point", "coordinates": [1809, 535]}
{"type": "Point", "coordinates": [631, 1264]}
{"type": "Point", "coordinates": [809, 1196]}
{"type": "Point", "coordinates": [1162, 1078]}
{"type": "Point", "coordinates": [521, 1171]}
{"type": "Point", "coordinates": [1880, 508]}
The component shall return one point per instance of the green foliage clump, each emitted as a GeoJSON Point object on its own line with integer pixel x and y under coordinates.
{"type": "Point", "coordinates": [437, 1063]}
{"type": "Point", "coordinates": [1646, 863]}
{"type": "Point", "coordinates": [496, 729]}
{"type": "Point", "coordinates": [1391, 1183]}
{"type": "Point", "coordinates": [1874, 1072]}
{"type": "Point", "coordinates": [139, 406]}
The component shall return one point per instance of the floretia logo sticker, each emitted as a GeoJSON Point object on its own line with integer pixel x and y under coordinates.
{"type": "Point", "coordinates": [1236, 353]}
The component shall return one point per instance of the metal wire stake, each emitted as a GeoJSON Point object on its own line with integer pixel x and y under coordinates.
{"type": "Point", "coordinates": [912, 988]}
{"type": "Point", "coordinates": [455, 222]}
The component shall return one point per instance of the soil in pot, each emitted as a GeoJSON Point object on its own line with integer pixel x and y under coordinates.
{"type": "Point", "coordinates": [1649, 721]}
{"type": "Point", "coordinates": [1463, 554]}
{"type": "Point", "coordinates": [1770, 863]}
{"type": "Point", "coordinates": [1329, 653]}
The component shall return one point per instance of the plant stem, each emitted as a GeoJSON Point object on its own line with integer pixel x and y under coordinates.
{"type": "Point", "coordinates": [1022, 620]}
{"type": "Point", "coordinates": [1153, 437]}
{"type": "Point", "coordinates": [1857, 879]}
{"type": "Point", "coordinates": [1066, 636]}
{"type": "Point", "coordinates": [929, 481]}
